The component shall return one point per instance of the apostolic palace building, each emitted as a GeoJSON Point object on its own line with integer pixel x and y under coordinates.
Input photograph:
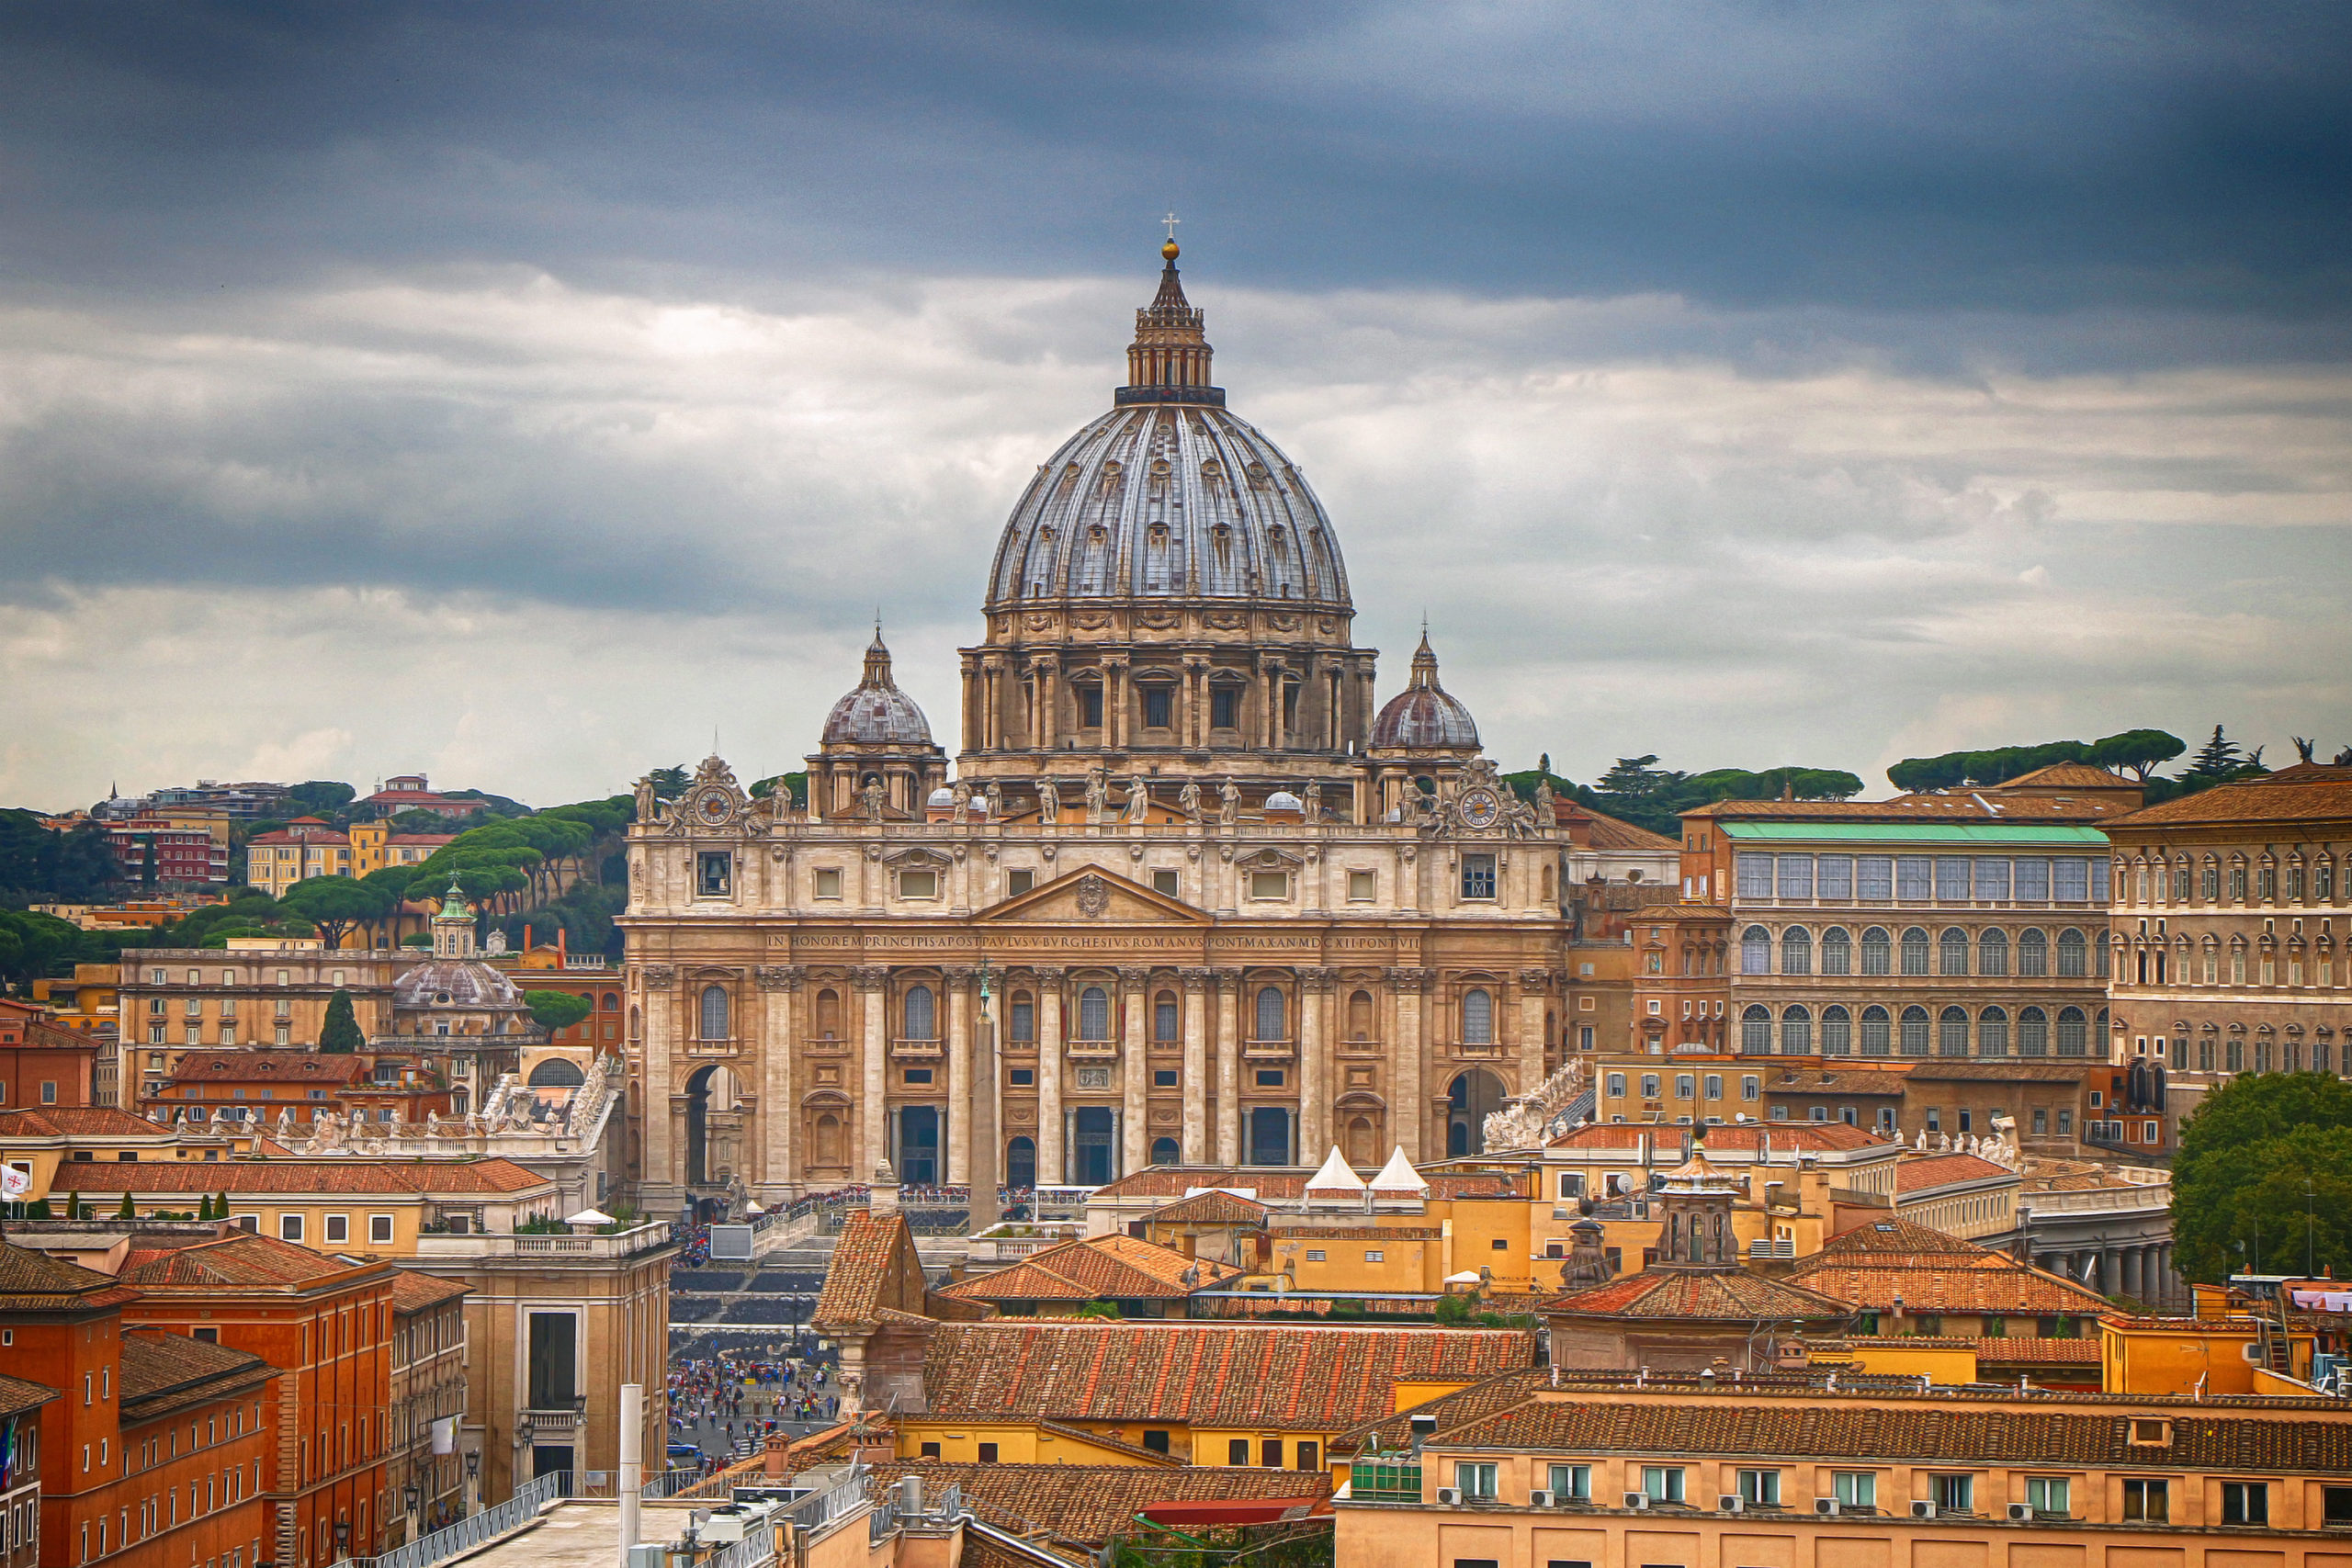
{"type": "Point", "coordinates": [1196, 892]}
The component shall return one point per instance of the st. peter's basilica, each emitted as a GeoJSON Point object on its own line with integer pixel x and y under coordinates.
{"type": "Point", "coordinates": [1192, 894]}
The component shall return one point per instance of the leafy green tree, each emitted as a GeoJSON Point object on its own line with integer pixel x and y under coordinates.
{"type": "Point", "coordinates": [2248, 1150]}
{"type": "Point", "coordinates": [2136, 752]}
{"type": "Point", "coordinates": [129, 1210]}
{"type": "Point", "coordinates": [671, 783]}
{"type": "Point", "coordinates": [336, 905]}
{"type": "Point", "coordinates": [323, 799]}
{"type": "Point", "coordinates": [556, 1009]}
{"type": "Point", "coordinates": [1635, 778]}
{"type": "Point", "coordinates": [38, 1210]}
{"type": "Point", "coordinates": [340, 1034]}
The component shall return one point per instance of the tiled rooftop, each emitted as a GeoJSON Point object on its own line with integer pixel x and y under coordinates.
{"type": "Point", "coordinates": [78, 1122]}
{"type": "Point", "coordinates": [1087, 1504]}
{"type": "Point", "coordinates": [1168, 1182]}
{"type": "Point", "coordinates": [1931, 1171]}
{"type": "Point", "coordinates": [2315, 793]}
{"type": "Point", "coordinates": [412, 1292]}
{"type": "Point", "coordinates": [875, 1268]}
{"type": "Point", "coordinates": [224, 1263]}
{"type": "Point", "coordinates": [249, 1177]}
{"type": "Point", "coordinates": [1700, 1295]}
{"type": "Point", "coordinates": [163, 1372]}
{"type": "Point", "coordinates": [1096, 1268]}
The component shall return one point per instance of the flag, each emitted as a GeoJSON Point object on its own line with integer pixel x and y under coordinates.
{"type": "Point", "coordinates": [15, 1182]}
{"type": "Point", "coordinates": [445, 1435]}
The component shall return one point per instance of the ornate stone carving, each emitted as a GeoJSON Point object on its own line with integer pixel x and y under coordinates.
{"type": "Point", "coordinates": [660, 975]}
{"type": "Point", "coordinates": [1408, 979]}
{"type": "Point", "coordinates": [779, 977]}
{"type": "Point", "coordinates": [1194, 979]}
{"type": "Point", "coordinates": [869, 978]}
{"type": "Point", "coordinates": [1093, 896]}
{"type": "Point", "coordinates": [1317, 978]}
{"type": "Point", "coordinates": [1534, 979]}
{"type": "Point", "coordinates": [959, 974]}
{"type": "Point", "coordinates": [1134, 977]}
{"type": "Point", "coordinates": [1050, 974]}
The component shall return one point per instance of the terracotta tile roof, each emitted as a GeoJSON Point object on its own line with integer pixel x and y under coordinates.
{"type": "Point", "coordinates": [1945, 1275]}
{"type": "Point", "coordinates": [17, 1396]}
{"type": "Point", "coordinates": [1850, 1081]}
{"type": "Point", "coordinates": [412, 1292]}
{"type": "Point", "coordinates": [162, 1372]}
{"type": "Point", "coordinates": [1606, 833]}
{"type": "Point", "coordinates": [1960, 807]}
{"type": "Point", "coordinates": [875, 1267]}
{"type": "Point", "coordinates": [1928, 1172]}
{"type": "Point", "coordinates": [2012, 1071]}
{"type": "Point", "coordinates": [34, 1281]}
{"type": "Point", "coordinates": [248, 1176]}
{"type": "Point", "coordinates": [1700, 1295]}
{"type": "Point", "coordinates": [268, 1066]}
{"type": "Point", "coordinates": [1888, 1425]}
{"type": "Point", "coordinates": [1087, 1504]}
{"type": "Point", "coordinates": [225, 1263]}
{"type": "Point", "coordinates": [1099, 1268]}
{"type": "Point", "coordinates": [1747, 1138]}
{"type": "Point", "coordinates": [2069, 775]}
{"type": "Point", "coordinates": [1282, 1186]}
{"type": "Point", "coordinates": [2034, 1350]}
{"type": "Point", "coordinates": [1664, 912]}
{"type": "Point", "coordinates": [1357, 1233]}
{"type": "Point", "coordinates": [2316, 793]}
{"type": "Point", "coordinates": [1905, 1239]}
{"type": "Point", "coordinates": [1225, 1376]}
{"type": "Point", "coordinates": [1394, 1431]}
{"type": "Point", "coordinates": [985, 1549]}
{"type": "Point", "coordinates": [1111, 1440]}
{"type": "Point", "coordinates": [78, 1121]}
{"type": "Point", "coordinates": [1210, 1209]}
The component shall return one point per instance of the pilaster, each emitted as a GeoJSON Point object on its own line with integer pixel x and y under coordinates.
{"type": "Point", "coordinates": [959, 1074]}
{"type": "Point", "coordinates": [872, 983]}
{"type": "Point", "coordinates": [1135, 1073]}
{"type": "Point", "coordinates": [1196, 1086]}
{"type": "Point", "coordinates": [1050, 1169]}
{"type": "Point", "coordinates": [1229, 1066]}
{"type": "Point", "coordinates": [779, 987]}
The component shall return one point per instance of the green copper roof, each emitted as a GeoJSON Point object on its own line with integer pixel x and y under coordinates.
{"type": "Point", "coordinates": [1959, 835]}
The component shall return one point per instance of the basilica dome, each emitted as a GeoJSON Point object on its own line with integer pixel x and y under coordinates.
{"type": "Point", "coordinates": [1167, 496]}
{"type": "Point", "coordinates": [876, 713]}
{"type": "Point", "coordinates": [1424, 716]}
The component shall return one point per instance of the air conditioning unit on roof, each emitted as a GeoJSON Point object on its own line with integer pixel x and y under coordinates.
{"type": "Point", "coordinates": [1637, 1499]}
{"type": "Point", "coordinates": [1923, 1510]}
{"type": "Point", "coordinates": [1538, 1497]}
{"type": "Point", "coordinates": [2021, 1513]}
{"type": "Point", "coordinates": [1825, 1506]}
{"type": "Point", "coordinates": [1728, 1503]}
{"type": "Point", "coordinates": [1449, 1496]}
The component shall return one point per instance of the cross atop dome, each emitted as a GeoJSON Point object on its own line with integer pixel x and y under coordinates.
{"type": "Point", "coordinates": [1168, 361]}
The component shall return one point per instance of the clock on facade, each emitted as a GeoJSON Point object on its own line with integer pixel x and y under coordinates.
{"type": "Point", "coordinates": [1479, 807]}
{"type": "Point", "coordinates": [713, 805]}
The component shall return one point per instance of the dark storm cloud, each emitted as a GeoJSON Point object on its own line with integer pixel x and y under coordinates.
{"type": "Point", "coordinates": [2001, 157]}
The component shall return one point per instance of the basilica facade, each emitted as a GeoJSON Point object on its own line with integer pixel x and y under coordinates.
{"type": "Point", "coordinates": [1193, 893]}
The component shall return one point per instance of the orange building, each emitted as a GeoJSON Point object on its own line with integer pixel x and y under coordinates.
{"type": "Point", "coordinates": [263, 1085]}
{"type": "Point", "coordinates": [326, 1323]}
{"type": "Point", "coordinates": [42, 1062]}
{"type": "Point", "coordinates": [156, 1454]}
{"type": "Point", "coordinates": [20, 1404]}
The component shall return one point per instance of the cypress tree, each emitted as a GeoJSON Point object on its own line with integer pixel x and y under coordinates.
{"type": "Point", "coordinates": [126, 1212]}
{"type": "Point", "coordinates": [340, 1034]}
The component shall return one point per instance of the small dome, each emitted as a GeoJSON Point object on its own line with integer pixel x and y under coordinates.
{"type": "Point", "coordinates": [877, 713]}
{"type": "Point", "coordinates": [463, 983]}
{"type": "Point", "coordinates": [941, 800]}
{"type": "Point", "coordinates": [1424, 716]}
{"type": "Point", "coordinates": [1283, 800]}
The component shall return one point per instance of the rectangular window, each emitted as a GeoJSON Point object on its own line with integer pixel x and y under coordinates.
{"type": "Point", "coordinates": [290, 1227]}
{"type": "Point", "coordinates": [1714, 1087]}
{"type": "Point", "coordinates": [1761, 1488]}
{"type": "Point", "coordinates": [1270, 1453]}
{"type": "Point", "coordinates": [1953, 1494]}
{"type": "Point", "coordinates": [1157, 702]}
{"type": "Point", "coordinates": [1478, 876]}
{"type": "Point", "coordinates": [1090, 706]}
{"type": "Point", "coordinates": [714, 873]}
{"type": "Point", "coordinates": [1834, 879]}
{"type": "Point", "coordinates": [1992, 877]}
{"type": "Point", "coordinates": [1270, 1077]}
{"type": "Point", "coordinates": [918, 1075]}
{"type": "Point", "coordinates": [2336, 1505]}
{"type": "Point", "coordinates": [1616, 1086]}
{"type": "Point", "coordinates": [1755, 877]}
{"type": "Point", "coordinates": [987, 1453]}
{"type": "Point", "coordinates": [918, 885]}
{"type": "Point", "coordinates": [1475, 1481]}
{"type": "Point", "coordinates": [1015, 883]}
{"type": "Point", "coordinates": [2246, 1502]}
{"type": "Point", "coordinates": [2069, 880]}
{"type": "Point", "coordinates": [1649, 1086]}
{"type": "Point", "coordinates": [1685, 1086]}
{"type": "Point", "coordinates": [1225, 707]}
{"type": "Point", "coordinates": [1023, 1077]}
{"type": "Point", "coordinates": [338, 1229]}
{"type": "Point", "coordinates": [2049, 1495]}
{"type": "Point", "coordinates": [1270, 885]}
{"type": "Point", "coordinates": [553, 1380]}
{"type": "Point", "coordinates": [1164, 881]}
{"type": "Point", "coordinates": [1163, 1077]}
{"type": "Point", "coordinates": [1873, 879]}
{"type": "Point", "coordinates": [1362, 887]}
{"type": "Point", "coordinates": [1374, 1255]}
{"type": "Point", "coordinates": [2033, 880]}
{"type": "Point", "coordinates": [1572, 1482]}
{"type": "Point", "coordinates": [1913, 878]}
{"type": "Point", "coordinates": [1951, 879]}
{"type": "Point", "coordinates": [379, 1230]}
{"type": "Point", "coordinates": [1662, 1483]}
{"type": "Point", "coordinates": [1795, 873]}
{"type": "Point", "coordinates": [1751, 1087]}
{"type": "Point", "coordinates": [828, 883]}
{"type": "Point", "coordinates": [1855, 1489]}
{"type": "Point", "coordinates": [1237, 1450]}
{"type": "Point", "coordinates": [2149, 1502]}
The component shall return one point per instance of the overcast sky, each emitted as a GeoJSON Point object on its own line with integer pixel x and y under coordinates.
{"type": "Point", "coordinates": [519, 393]}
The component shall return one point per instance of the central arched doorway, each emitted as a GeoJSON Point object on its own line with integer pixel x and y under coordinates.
{"type": "Point", "coordinates": [914, 1144]}
{"type": "Point", "coordinates": [711, 1092]}
{"type": "Point", "coordinates": [1269, 1136]}
{"type": "Point", "coordinates": [1021, 1163]}
{"type": "Point", "coordinates": [1475, 1096]}
{"type": "Point", "coordinates": [1092, 1133]}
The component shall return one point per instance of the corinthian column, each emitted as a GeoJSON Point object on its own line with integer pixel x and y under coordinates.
{"type": "Point", "coordinates": [1134, 1075]}
{"type": "Point", "coordinates": [1229, 1066]}
{"type": "Point", "coordinates": [959, 1074]}
{"type": "Point", "coordinates": [1407, 1051]}
{"type": "Point", "coordinates": [873, 1108]}
{"type": "Point", "coordinates": [779, 1038]}
{"type": "Point", "coordinates": [1314, 1069]}
{"type": "Point", "coordinates": [1196, 1075]}
{"type": "Point", "coordinates": [1049, 1076]}
{"type": "Point", "coordinates": [1531, 984]}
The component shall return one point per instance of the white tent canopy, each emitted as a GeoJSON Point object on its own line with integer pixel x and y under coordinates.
{"type": "Point", "coordinates": [1337, 1176]}
{"type": "Point", "coordinates": [590, 1217]}
{"type": "Point", "coordinates": [1399, 1175]}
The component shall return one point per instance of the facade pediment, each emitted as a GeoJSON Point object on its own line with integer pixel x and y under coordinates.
{"type": "Point", "coordinates": [1093, 894]}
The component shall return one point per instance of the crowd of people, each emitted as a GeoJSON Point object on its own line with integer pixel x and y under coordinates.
{"type": "Point", "coordinates": [724, 1403]}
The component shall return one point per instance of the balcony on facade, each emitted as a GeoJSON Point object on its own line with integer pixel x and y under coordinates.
{"type": "Point", "coordinates": [500, 1245]}
{"type": "Point", "coordinates": [918, 1050]}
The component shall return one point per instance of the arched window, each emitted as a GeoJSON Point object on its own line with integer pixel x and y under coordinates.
{"type": "Point", "coordinates": [2033, 1033]}
{"type": "Point", "coordinates": [1951, 1033]}
{"type": "Point", "coordinates": [1878, 953]}
{"type": "Point", "coordinates": [1021, 1163]}
{"type": "Point", "coordinates": [1993, 951]}
{"type": "Point", "coordinates": [1163, 1151]}
{"type": "Point", "coordinates": [1165, 1026]}
{"type": "Point", "coordinates": [2073, 1030]}
{"type": "Point", "coordinates": [555, 1072]}
{"type": "Point", "coordinates": [636, 1022]}
{"type": "Point", "coordinates": [920, 1014]}
{"type": "Point", "coordinates": [1837, 1031]}
{"type": "Point", "coordinates": [1477, 1018]}
{"type": "Point", "coordinates": [1093, 1013]}
{"type": "Point", "coordinates": [1269, 1015]}
{"type": "Point", "coordinates": [711, 1018]}
{"type": "Point", "coordinates": [1796, 1032]}
{"type": "Point", "coordinates": [827, 1141]}
{"type": "Point", "coordinates": [1914, 950]}
{"type": "Point", "coordinates": [828, 1015]}
{"type": "Point", "coordinates": [1952, 951]}
{"type": "Point", "coordinates": [1915, 1032]}
{"type": "Point", "coordinates": [1024, 1022]}
{"type": "Point", "coordinates": [1993, 1033]}
{"type": "Point", "coordinates": [1837, 951]}
{"type": "Point", "coordinates": [1360, 1016]}
{"type": "Point", "coordinates": [2072, 951]}
{"type": "Point", "coordinates": [1756, 951]}
{"type": "Point", "coordinates": [612, 1001]}
{"type": "Point", "coordinates": [2033, 951]}
{"type": "Point", "coordinates": [1796, 951]}
{"type": "Point", "coordinates": [1756, 1030]}
{"type": "Point", "coordinates": [1876, 1041]}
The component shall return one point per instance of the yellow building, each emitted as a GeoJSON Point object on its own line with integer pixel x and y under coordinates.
{"type": "Point", "coordinates": [2205, 1356]}
{"type": "Point", "coordinates": [61, 1149]}
{"type": "Point", "coordinates": [308, 847]}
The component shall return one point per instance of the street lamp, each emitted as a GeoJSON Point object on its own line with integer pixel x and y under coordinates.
{"type": "Point", "coordinates": [409, 1496]}
{"type": "Point", "coordinates": [342, 1538]}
